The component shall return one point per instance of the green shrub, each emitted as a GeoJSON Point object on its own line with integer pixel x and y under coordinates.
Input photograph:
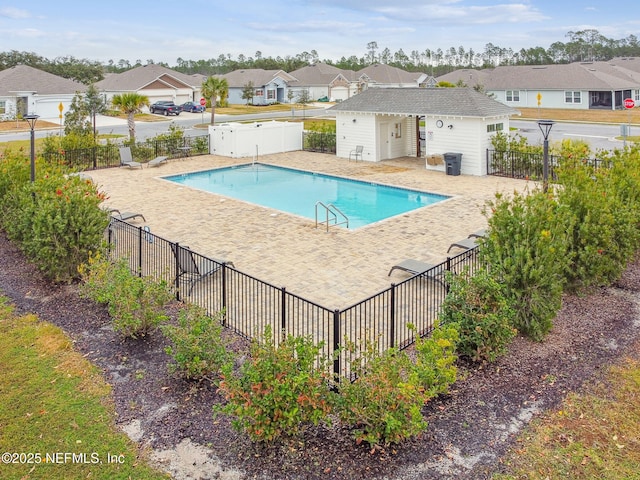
{"type": "Point", "coordinates": [435, 360]}
{"type": "Point", "coordinates": [383, 405]}
{"type": "Point", "coordinates": [484, 319]}
{"type": "Point", "coordinates": [279, 391]}
{"type": "Point", "coordinates": [55, 220]}
{"type": "Point", "coordinates": [604, 205]}
{"type": "Point", "coordinates": [527, 252]}
{"type": "Point", "coordinates": [136, 304]}
{"type": "Point", "coordinates": [197, 349]}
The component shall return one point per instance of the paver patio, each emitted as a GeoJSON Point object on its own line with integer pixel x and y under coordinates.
{"type": "Point", "coordinates": [334, 269]}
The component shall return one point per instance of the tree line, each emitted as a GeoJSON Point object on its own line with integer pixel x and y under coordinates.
{"type": "Point", "coordinates": [582, 46]}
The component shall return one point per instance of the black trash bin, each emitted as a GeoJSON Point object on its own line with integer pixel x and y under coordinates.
{"type": "Point", "coordinates": [452, 161]}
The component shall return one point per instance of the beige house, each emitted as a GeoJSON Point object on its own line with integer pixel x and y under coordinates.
{"type": "Point", "coordinates": [154, 81]}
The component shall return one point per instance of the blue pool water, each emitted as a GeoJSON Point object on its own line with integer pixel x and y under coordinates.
{"type": "Point", "coordinates": [297, 191]}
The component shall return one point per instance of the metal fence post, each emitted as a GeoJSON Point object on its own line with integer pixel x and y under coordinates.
{"type": "Point", "coordinates": [283, 312]}
{"type": "Point", "coordinates": [176, 250]}
{"type": "Point", "coordinates": [336, 345]}
{"type": "Point", "coordinates": [140, 251]}
{"type": "Point", "coordinates": [392, 326]}
{"type": "Point", "coordinates": [224, 294]}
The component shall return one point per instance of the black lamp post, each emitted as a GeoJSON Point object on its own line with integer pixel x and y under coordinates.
{"type": "Point", "coordinates": [545, 128]}
{"type": "Point", "coordinates": [31, 120]}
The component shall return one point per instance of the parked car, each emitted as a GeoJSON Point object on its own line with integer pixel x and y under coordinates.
{"type": "Point", "coordinates": [192, 107]}
{"type": "Point", "coordinates": [165, 108]}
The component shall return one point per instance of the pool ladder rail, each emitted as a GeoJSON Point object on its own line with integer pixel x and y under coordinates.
{"type": "Point", "coordinates": [332, 214]}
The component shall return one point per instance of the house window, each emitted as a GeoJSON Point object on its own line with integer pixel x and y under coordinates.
{"type": "Point", "coordinates": [513, 95]}
{"type": "Point", "coordinates": [636, 96]}
{"type": "Point", "coordinates": [271, 94]}
{"type": "Point", "coordinates": [572, 97]}
{"type": "Point", "coordinates": [495, 127]}
{"type": "Point", "coordinates": [398, 130]}
{"type": "Point", "coordinates": [259, 93]}
{"type": "Point", "coordinates": [3, 107]}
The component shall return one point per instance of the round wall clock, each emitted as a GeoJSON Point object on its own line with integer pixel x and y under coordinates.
{"type": "Point", "coordinates": [439, 124]}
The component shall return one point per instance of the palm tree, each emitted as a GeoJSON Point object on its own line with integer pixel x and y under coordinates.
{"type": "Point", "coordinates": [130, 103]}
{"type": "Point", "coordinates": [212, 88]}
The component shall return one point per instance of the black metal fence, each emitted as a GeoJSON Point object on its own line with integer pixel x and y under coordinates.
{"type": "Point", "coordinates": [250, 304]}
{"type": "Point", "coordinates": [105, 156]}
{"type": "Point", "coordinates": [514, 164]}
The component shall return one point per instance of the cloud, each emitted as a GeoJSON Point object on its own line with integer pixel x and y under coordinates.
{"type": "Point", "coordinates": [14, 13]}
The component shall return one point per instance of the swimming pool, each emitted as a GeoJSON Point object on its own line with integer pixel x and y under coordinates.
{"type": "Point", "coordinates": [297, 192]}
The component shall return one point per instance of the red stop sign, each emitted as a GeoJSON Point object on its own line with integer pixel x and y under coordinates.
{"type": "Point", "coordinates": [629, 103]}
{"type": "Point", "coordinates": [203, 102]}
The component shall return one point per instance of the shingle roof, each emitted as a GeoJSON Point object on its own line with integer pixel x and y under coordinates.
{"type": "Point", "coordinates": [257, 76]}
{"type": "Point", "coordinates": [320, 74]}
{"type": "Point", "coordinates": [23, 78]}
{"type": "Point", "coordinates": [459, 102]}
{"type": "Point", "coordinates": [581, 76]}
{"type": "Point", "coordinates": [388, 75]}
{"type": "Point", "coordinates": [139, 77]}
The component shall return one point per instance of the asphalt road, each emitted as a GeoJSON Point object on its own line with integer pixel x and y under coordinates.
{"type": "Point", "coordinates": [599, 136]}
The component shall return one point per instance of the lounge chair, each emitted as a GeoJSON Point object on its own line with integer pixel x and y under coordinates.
{"type": "Point", "coordinates": [124, 216]}
{"type": "Point", "coordinates": [478, 233]}
{"type": "Point", "coordinates": [126, 160]}
{"type": "Point", "coordinates": [156, 162]}
{"type": "Point", "coordinates": [194, 267]}
{"type": "Point", "coordinates": [466, 243]}
{"type": "Point", "coordinates": [416, 267]}
{"type": "Point", "coordinates": [357, 153]}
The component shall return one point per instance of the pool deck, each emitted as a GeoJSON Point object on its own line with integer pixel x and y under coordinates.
{"type": "Point", "coordinates": [334, 269]}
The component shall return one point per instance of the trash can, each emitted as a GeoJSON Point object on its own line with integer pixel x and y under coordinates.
{"type": "Point", "coordinates": [452, 161]}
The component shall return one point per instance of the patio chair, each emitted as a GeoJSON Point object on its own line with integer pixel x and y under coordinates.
{"type": "Point", "coordinates": [416, 267]}
{"type": "Point", "coordinates": [194, 268]}
{"type": "Point", "coordinates": [126, 160]}
{"type": "Point", "coordinates": [124, 216]}
{"type": "Point", "coordinates": [156, 162]}
{"type": "Point", "coordinates": [466, 243]}
{"type": "Point", "coordinates": [357, 153]}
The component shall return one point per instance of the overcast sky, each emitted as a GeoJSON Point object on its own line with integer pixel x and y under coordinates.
{"type": "Point", "coordinates": [202, 29]}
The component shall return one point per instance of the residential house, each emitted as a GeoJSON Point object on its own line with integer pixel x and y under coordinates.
{"type": "Point", "coordinates": [155, 82]}
{"type": "Point", "coordinates": [324, 81]}
{"type": "Point", "coordinates": [421, 122]}
{"type": "Point", "coordinates": [382, 75]}
{"type": "Point", "coordinates": [269, 86]}
{"type": "Point", "coordinates": [27, 90]}
{"type": "Point", "coordinates": [584, 85]}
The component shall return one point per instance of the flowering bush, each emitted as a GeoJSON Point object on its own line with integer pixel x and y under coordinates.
{"type": "Point", "coordinates": [279, 391]}
{"type": "Point", "coordinates": [56, 219]}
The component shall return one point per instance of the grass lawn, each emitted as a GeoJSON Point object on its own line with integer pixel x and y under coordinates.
{"type": "Point", "coordinates": [593, 435]}
{"type": "Point", "coordinates": [54, 404]}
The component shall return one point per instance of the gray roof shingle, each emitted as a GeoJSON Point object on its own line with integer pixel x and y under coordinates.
{"type": "Point", "coordinates": [23, 78]}
{"type": "Point", "coordinates": [459, 102]}
{"type": "Point", "coordinates": [139, 77]}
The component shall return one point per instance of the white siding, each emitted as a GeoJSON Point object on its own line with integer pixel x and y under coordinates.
{"type": "Point", "coordinates": [350, 134]}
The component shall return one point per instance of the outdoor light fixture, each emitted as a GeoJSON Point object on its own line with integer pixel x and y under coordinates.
{"type": "Point", "coordinates": [31, 120]}
{"type": "Point", "coordinates": [354, 120]}
{"type": "Point", "coordinates": [545, 128]}
{"type": "Point", "coordinates": [450, 127]}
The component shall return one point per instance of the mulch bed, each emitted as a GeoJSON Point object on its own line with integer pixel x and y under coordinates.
{"type": "Point", "coordinates": [470, 429]}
